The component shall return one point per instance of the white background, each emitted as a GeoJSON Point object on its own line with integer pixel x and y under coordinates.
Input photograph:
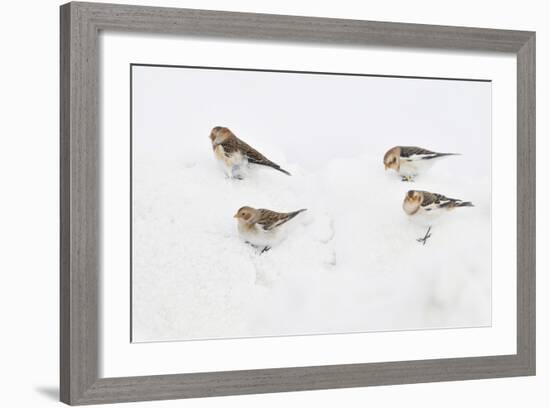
{"type": "Point", "coordinates": [30, 204]}
{"type": "Point", "coordinates": [123, 359]}
{"type": "Point", "coordinates": [331, 132]}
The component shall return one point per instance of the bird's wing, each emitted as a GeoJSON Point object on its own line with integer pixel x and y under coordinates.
{"type": "Point", "coordinates": [230, 146]}
{"type": "Point", "coordinates": [254, 156]}
{"type": "Point", "coordinates": [268, 220]}
{"type": "Point", "coordinates": [434, 200]}
{"type": "Point", "coordinates": [411, 153]}
{"type": "Point", "coordinates": [250, 153]}
{"type": "Point", "coordinates": [234, 144]}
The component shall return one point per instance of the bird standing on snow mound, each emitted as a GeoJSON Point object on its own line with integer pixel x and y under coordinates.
{"type": "Point", "coordinates": [409, 161]}
{"type": "Point", "coordinates": [233, 153]}
{"type": "Point", "coordinates": [259, 227]}
{"type": "Point", "coordinates": [418, 202]}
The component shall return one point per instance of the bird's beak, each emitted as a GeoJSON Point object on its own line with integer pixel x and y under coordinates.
{"type": "Point", "coordinates": [236, 216]}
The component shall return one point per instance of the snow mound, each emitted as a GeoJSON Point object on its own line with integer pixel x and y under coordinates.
{"type": "Point", "coordinates": [350, 263]}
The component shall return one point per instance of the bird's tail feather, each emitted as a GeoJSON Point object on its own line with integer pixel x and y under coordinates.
{"type": "Point", "coordinates": [295, 213]}
{"type": "Point", "coordinates": [276, 167]}
{"type": "Point", "coordinates": [465, 204]}
{"type": "Point", "coordinates": [269, 164]}
{"type": "Point", "coordinates": [448, 154]}
{"type": "Point", "coordinates": [282, 170]}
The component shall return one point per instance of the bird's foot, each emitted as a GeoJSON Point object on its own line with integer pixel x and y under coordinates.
{"type": "Point", "coordinates": [258, 247]}
{"type": "Point", "coordinates": [236, 172]}
{"type": "Point", "coordinates": [426, 237]}
{"type": "Point", "coordinates": [409, 179]}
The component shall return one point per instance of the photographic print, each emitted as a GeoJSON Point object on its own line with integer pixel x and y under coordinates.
{"type": "Point", "coordinates": [278, 203]}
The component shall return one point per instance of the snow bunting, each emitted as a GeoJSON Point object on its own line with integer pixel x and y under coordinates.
{"type": "Point", "coordinates": [422, 204]}
{"type": "Point", "coordinates": [419, 202]}
{"type": "Point", "coordinates": [260, 227]}
{"type": "Point", "coordinates": [409, 161]}
{"type": "Point", "coordinates": [234, 154]}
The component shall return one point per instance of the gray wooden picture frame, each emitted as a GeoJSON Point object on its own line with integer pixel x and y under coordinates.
{"type": "Point", "coordinates": [80, 193]}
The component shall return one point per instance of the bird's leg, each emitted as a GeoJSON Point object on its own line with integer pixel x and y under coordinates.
{"type": "Point", "coordinates": [235, 172]}
{"type": "Point", "coordinates": [257, 247]}
{"type": "Point", "coordinates": [425, 238]}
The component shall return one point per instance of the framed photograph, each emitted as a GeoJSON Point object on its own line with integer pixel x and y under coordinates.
{"type": "Point", "coordinates": [262, 203]}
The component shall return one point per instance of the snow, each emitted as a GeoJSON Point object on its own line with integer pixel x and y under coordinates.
{"type": "Point", "coordinates": [351, 263]}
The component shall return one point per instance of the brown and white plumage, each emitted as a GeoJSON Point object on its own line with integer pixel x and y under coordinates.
{"type": "Point", "coordinates": [233, 153]}
{"type": "Point", "coordinates": [421, 202]}
{"type": "Point", "coordinates": [260, 227]}
{"type": "Point", "coordinates": [409, 161]}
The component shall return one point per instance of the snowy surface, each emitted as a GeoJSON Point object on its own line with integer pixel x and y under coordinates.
{"type": "Point", "coordinates": [350, 263]}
